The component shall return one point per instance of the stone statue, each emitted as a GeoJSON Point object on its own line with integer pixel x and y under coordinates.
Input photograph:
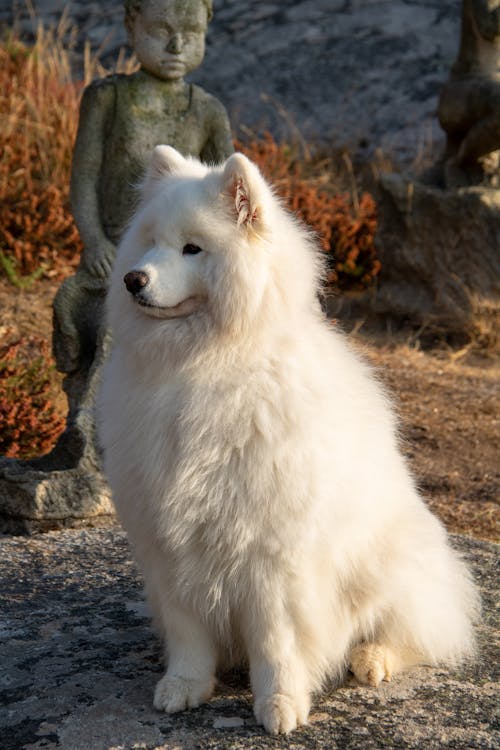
{"type": "Point", "coordinates": [122, 117]}
{"type": "Point", "coordinates": [469, 107]}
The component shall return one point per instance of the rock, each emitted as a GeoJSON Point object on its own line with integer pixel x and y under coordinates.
{"type": "Point", "coordinates": [362, 74]}
{"type": "Point", "coordinates": [33, 500]}
{"type": "Point", "coordinates": [439, 251]}
{"type": "Point", "coordinates": [79, 664]}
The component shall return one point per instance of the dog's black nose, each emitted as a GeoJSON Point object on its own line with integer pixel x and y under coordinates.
{"type": "Point", "coordinates": [135, 281]}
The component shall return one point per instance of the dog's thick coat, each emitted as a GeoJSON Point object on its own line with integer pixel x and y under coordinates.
{"type": "Point", "coordinates": [254, 461]}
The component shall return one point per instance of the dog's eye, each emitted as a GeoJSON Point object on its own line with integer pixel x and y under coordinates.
{"type": "Point", "coordinates": [191, 250]}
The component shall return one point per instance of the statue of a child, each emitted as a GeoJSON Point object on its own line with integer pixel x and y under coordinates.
{"type": "Point", "coordinates": [122, 117]}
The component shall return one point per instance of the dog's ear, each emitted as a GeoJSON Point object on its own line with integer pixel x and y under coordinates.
{"type": "Point", "coordinates": [165, 160]}
{"type": "Point", "coordinates": [244, 185]}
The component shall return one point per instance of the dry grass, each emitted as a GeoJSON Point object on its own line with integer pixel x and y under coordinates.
{"type": "Point", "coordinates": [38, 118]}
{"type": "Point", "coordinates": [449, 408]}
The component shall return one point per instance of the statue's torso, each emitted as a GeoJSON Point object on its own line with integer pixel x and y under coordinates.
{"type": "Point", "coordinates": [140, 120]}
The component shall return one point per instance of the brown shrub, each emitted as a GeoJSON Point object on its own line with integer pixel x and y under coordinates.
{"type": "Point", "coordinates": [344, 224]}
{"type": "Point", "coordinates": [30, 423]}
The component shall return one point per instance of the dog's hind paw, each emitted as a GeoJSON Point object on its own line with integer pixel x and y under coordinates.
{"type": "Point", "coordinates": [174, 694]}
{"type": "Point", "coordinates": [280, 714]}
{"type": "Point", "coordinates": [371, 663]}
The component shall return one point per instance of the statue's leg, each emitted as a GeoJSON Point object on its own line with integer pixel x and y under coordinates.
{"type": "Point", "coordinates": [65, 334]}
{"type": "Point", "coordinates": [66, 485]}
{"type": "Point", "coordinates": [77, 336]}
{"type": "Point", "coordinates": [482, 139]}
{"type": "Point", "coordinates": [469, 112]}
{"type": "Point", "coordinates": [455, 114]}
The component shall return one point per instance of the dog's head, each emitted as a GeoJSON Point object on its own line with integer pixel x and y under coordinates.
{"type": "Point", "coordinates": [204, 247]}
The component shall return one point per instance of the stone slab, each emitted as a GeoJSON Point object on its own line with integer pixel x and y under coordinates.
{"type": "Point", "coordinates": [79, 663]}
{"type": "Point", "coordinates": [32, 500]}
{"type": "Point", "coordinates": [440, 260]}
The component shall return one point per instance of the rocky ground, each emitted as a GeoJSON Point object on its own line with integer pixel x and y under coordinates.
{"type": "Point", "coordinates": [361, 73]}
{"type": "Point", "coordinates": [79, 662]}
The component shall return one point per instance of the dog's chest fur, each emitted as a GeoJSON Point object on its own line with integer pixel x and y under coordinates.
{"type": "Point", "coordinates": [215, 478]}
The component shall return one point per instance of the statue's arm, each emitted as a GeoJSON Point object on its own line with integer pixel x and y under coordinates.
{"type": "Point", "coordinates": [219, 143]}
{"type": "Point", "coordinates": [90, 145]}
{"type": "Point", "coordinates": [487, 17]}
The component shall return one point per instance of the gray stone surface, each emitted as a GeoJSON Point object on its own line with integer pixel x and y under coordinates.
{"type": "Point", "coordinates": [32, 500]}
{"type": "Point", "coordinates": [439, 254]}
{"type": "Point", "coordinates": [366, 73]}
{"type": "Point", "coordinates": [79, 663]}
{"type": "Point", "coordinates": [440, 260]}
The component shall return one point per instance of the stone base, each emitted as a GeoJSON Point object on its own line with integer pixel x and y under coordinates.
{"type": "Point", "coordinates": [32, 500]}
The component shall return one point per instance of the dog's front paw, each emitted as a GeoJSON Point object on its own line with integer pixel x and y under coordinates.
{"type": "Point", "coordinates": [280, 714]}
{"type": "Point", "coordinates": [371, 663]}
{"type": "Point", "coordinates": [174, 694]}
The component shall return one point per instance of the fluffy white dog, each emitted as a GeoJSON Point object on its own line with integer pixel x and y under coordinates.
{"type": "Point", "coordinates": [254, 459]}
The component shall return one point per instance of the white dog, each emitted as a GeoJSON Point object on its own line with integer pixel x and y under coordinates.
{"type": "Point", "coordinates": [254, 459]}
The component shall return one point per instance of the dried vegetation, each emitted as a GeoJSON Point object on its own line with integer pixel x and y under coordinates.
{"type": "Point", "coordinates": [344, 221]}
{"type": "Point", "coordinates": [38, 116]}
{"type": "Point", "coordinates": [29, 419]}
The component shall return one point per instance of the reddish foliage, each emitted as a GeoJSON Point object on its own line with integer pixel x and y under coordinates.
{"type": "Point", "coordinates": [37, 229]}
{"type": "Point", "coordinates": [345, 228]}
{"type": "Point", "coordinates": [30, 424]}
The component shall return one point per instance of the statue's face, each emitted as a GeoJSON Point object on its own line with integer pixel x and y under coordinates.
{"type": "Point", "coordinates": [168, 37]}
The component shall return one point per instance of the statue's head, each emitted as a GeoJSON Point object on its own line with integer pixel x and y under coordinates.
{"type": "Point", "coordinates": [168, 36]}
